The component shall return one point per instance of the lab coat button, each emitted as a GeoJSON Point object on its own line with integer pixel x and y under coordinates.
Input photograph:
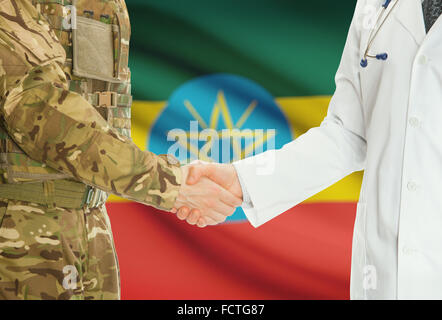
{"type": "Point", "coordinates": [423, 60]}
{"type": "Point", "coordinates": [411, 186]}
{"type": "Point", "coordinates": [414, 122]}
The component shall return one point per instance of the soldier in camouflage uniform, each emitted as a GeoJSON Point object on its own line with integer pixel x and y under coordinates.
{"type": "Point", "coordinates": [64, 144]}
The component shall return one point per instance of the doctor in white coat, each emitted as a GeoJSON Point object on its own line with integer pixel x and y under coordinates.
{"type": "Point", "coordinates": [385, 118]}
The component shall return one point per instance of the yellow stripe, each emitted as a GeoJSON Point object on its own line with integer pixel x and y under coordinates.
{"type": "Point", "coordinates": [302, 113]}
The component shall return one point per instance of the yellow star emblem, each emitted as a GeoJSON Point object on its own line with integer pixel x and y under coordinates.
{"type": "Point", "coordinates": [256, 138]}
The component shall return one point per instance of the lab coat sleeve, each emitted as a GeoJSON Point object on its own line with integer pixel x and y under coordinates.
{"type": "Point", "coordinates": [277, 180]}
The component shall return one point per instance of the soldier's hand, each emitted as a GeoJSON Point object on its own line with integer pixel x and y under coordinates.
{"type": "Point", "coordinates": [223, 175]}
{"type": "Point", "coordinates": [204, 202]}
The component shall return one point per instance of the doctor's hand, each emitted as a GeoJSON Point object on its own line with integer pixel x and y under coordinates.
{"type": "Point", "coordinates": [205, 201]}
{"type": "Point", "coordinates": [222, 174]}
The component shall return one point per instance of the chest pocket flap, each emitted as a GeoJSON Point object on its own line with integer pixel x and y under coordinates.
{"type": "Point", "coordinates": [93, 50]}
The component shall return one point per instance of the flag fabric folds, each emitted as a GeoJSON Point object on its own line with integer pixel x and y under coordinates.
{"type": "Point", "coordinates": [261, 68]}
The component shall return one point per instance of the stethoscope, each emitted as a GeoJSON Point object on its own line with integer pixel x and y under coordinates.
{"type": "Point", "coordinates": [374, 33]}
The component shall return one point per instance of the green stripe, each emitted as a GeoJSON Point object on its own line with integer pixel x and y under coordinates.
{"type": "Point", "coordinates": [292, 48]}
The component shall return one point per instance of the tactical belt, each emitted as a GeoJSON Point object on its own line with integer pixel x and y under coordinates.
{"type": "Point", "coordinates": [55, 193]}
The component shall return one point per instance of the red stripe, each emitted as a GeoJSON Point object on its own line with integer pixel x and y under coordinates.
{"type": "Point", "coordinates": [303, 254]}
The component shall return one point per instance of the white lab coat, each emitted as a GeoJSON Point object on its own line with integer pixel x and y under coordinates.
{"type": "Point", "coordinates": [386, 119]}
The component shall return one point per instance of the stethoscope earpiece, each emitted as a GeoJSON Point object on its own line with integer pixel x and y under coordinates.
{"type": "Point", "coordinates": [387, 2]}
{"type": "Point", "coordinates": [382, 56]}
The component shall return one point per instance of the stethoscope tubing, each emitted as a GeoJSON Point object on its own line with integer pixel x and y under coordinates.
{"type": "Point", "coordinates": [375, 31]}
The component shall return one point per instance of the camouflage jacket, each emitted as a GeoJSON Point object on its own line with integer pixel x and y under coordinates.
{"type": "Point", "coordinates": [58, 127]}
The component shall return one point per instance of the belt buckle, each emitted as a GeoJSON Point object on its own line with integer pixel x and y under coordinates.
{"type": "Point", "coordinates": [107, 99]}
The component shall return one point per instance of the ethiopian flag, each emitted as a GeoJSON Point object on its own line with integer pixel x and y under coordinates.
{"type": "Point", "coordinates": [261, 67]}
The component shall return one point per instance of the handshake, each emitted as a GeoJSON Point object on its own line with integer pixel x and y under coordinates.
{"type": "Point", "coordinates": [209, 194]}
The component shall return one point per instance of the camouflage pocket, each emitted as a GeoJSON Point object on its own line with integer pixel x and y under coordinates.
{"type": "Point", "coordinates": [29, 230]}
{"type": "Point", "coordinates": [40, 251]}
{"type": "Point", "coordinates": [93, 50]}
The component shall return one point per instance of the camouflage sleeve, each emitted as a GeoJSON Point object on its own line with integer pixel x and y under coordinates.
{"type": "Point", "coordinates": [60, 128]}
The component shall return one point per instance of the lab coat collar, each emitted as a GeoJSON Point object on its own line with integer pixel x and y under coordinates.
{"type": "Point", "coordinates": [410, 16]}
